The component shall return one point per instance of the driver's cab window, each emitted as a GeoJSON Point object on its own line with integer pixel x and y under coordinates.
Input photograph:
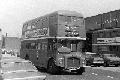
{"type": "Point", "coordinates": [73, 47]}
{"type": "Point", "coordinates": [76, 46]}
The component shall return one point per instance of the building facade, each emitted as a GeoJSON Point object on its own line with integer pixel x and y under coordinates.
{"type": "Point", "coordinates": [103, 33]}
{"type": "Point", "coordinates": [11, 44]}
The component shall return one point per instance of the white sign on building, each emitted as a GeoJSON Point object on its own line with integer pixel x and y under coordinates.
{"type": "Point", "coordinates": [106, 40]}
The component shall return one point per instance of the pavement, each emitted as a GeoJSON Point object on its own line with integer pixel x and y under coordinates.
{"type": "Point", "coordinates": [111, 72]}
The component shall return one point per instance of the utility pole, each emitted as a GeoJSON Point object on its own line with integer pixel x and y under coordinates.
{"type": "Point", "coordinates": [6, 34]}
{"type": "Point", "coordinates": [0, 45]}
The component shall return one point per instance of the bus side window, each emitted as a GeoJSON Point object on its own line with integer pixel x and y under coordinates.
{"type": "Point", "coordinates": [27, 45]}
{"type": "Point", "coordinates": [39, 46]}
{"type": "Point", "coordinates": [33, 46]}
{"type": "Point", "coordinates": [50, 47]}
{"type": "Point", "coordinates": [44, 46]}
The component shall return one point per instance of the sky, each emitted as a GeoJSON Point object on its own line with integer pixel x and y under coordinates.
{"type": "Point", "coordinates": [13, 13]}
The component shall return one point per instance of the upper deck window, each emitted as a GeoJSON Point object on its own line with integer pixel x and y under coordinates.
{"type": "Point", "coordinates": [68, 19]}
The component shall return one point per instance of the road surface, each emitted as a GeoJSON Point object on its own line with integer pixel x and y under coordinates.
{"type": "Point", "coordinates": [93, 73]}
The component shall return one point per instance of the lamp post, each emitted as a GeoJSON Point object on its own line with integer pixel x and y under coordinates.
{"type": "Point", "coordinates": [0, 45]}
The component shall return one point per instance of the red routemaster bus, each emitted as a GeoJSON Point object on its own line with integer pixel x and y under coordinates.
{"type": "Point", "coordinates": [55, 42]}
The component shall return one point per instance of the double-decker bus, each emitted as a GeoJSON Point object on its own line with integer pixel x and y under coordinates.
{"type": "Point", "coordinates": [55, 42]}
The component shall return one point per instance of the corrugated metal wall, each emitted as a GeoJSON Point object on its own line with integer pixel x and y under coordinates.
{"type": "Point", "coordinates": [103, 21]}
{"type": "Point", "coordinates": [109, 28]}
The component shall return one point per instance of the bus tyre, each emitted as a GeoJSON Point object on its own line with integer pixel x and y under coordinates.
{"type": "Point", "coordinates": [88, 64]}
{"type": "Point", "coordinates": [116, 65]}
{"type": "Point", "coordinates": [52, 68]}
{"type": "Point", "coordinates": [81, 70]}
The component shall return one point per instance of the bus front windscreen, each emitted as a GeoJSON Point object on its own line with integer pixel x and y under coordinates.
{"type": "Point", "coordinates": [73, 45]}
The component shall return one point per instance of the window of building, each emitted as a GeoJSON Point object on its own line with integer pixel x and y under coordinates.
{"type": "Point", "coordinates": [110, 33]}
{"type": "Point", "coordinates": [79, 18]}
{"type": "Point", "coordinates": [74, 18]}
{"type": "Point", "coordinates": [118, 49]}
{"type": "Point", "coordinates": [107, 34]}
{"type": "Point", "coordinates": [94, 37]}
{"type": "Point", "coordinates": [113, 33]}
{"type": "Point", "coordinates": [101, 35]}
{"type": "Point", "coordinates": [113, 48]}
{"type": "Point", "coordinates": [62, 18]}
{"type": "Point", "coordinates": [68, 19]}
{"type": "Point", "coordinates": [118, 33]}
{"type": "Point", "coordinates": [102, 48]}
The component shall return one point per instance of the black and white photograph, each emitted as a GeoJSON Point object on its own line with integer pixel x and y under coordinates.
{"type": "Point", "coordinates": [59, 39]}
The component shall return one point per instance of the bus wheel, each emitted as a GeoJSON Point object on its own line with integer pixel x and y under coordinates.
{"type": "Point", "coordinates": [88, 63]}
{"type": "Point", "coordinates": [81, 70]}
{"type": "Point", "coordinates": [116, 65]}
{"type": "Point", "coordinates": [52, 68]}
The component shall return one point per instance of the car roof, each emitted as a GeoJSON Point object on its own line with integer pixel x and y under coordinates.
{"type": "Point", "coordinates": [13, 60]}
{"type": "Point", "coordinates": [24, 75]}
{"type": "Point", "coordinates": [90, 53]}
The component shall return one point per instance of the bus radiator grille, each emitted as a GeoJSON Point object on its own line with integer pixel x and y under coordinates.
{"type": "Point", "coordinates": [73, 62]}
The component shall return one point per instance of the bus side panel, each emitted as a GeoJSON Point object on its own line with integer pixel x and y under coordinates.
{"type": "Point", "coordinates": [22, 53]}
{"type": "Point", "coordinates": [32, 56]}
{"type": "Point", "coordinates": [22, 50]}
{"type": "Point", "coordinates": [42, 58]}
{"type": "Point", "coordinates": [28, 51]}
{"type": "Point", "coordinates": [51, 49]}
{"type": "Point", "coordinates": [53, 24]}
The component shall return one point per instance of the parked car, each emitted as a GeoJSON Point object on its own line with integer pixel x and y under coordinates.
{"type": "Point", "coordinates": [94, 59]}
{"type": "Point", "coordinates": [16, 68]}
{"type": "Point", "coordinates": [111, 59]}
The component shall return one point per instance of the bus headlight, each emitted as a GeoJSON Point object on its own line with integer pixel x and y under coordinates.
{"type": "Point", "coordinates": [61, 60]}
{"type": "Point", "coordinates": [84, 62]}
